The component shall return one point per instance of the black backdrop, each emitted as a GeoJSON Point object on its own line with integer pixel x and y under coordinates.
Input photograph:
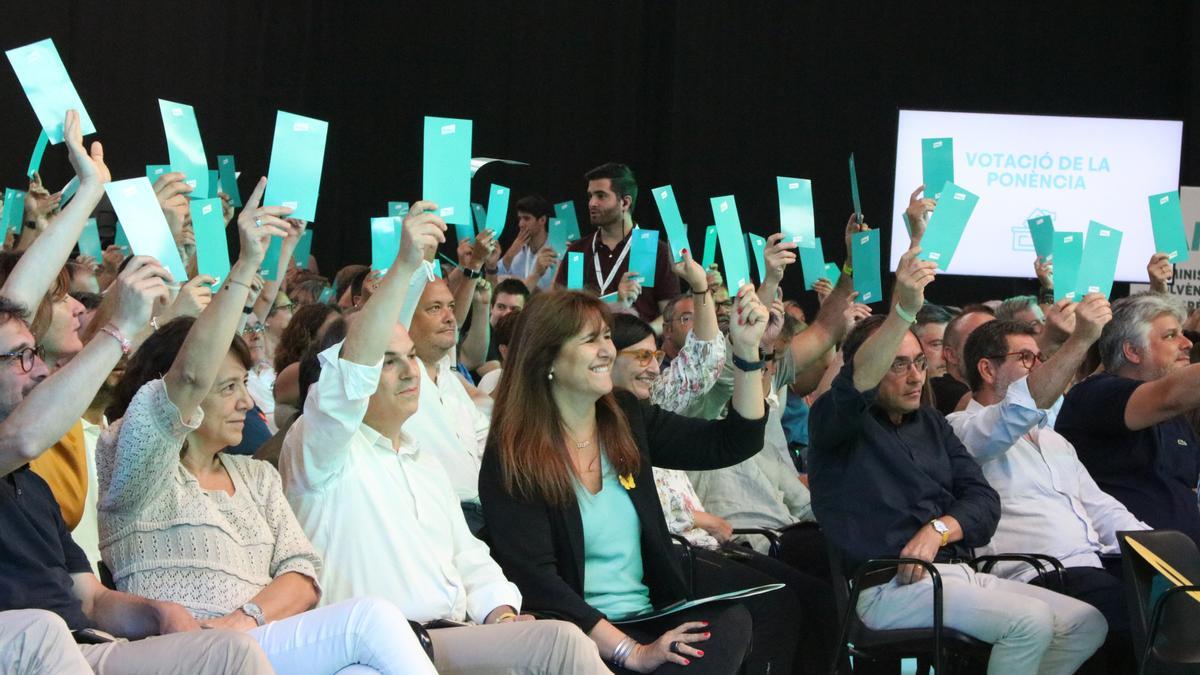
{"type": "Point", "coordinates": [715, 98]}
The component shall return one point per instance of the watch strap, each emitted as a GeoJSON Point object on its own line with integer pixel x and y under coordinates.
{"type": "Point", "coordinates": [747, 366]}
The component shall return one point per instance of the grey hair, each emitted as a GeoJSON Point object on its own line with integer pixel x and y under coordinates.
{"type": "Point", "coordinates": [1008, 310]}
{"type": "Point", "coordinates": [1131, 319]}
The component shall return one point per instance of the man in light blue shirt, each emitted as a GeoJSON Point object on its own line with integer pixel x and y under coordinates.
{"type": "Point", "coordinates": [529, 258]}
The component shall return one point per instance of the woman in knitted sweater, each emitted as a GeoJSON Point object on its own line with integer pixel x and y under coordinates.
{"type": "Point", "coordinates": [182, 521]}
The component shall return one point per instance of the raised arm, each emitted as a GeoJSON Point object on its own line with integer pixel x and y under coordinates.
{"type": "Point", "coordinates": [778, 255]}
{"type": "Point", "coordinates": [191, 374]}
{"type": "Point", "coordinates": [50, 409]}
{"type": "Point", "coordinates": [270, 290]}
{"type": "Point", "coordinates": [1049, 381]}
{"type": "Point", "coordinates": [704, 312]}
{"type": "Point", "coordinates": [40, 264]}
{"type": "Point", "coordinates": [473, 348]}
{"type": "Point", "coordinates": [875, 356]}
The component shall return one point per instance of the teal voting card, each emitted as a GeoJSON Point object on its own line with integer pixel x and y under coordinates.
{"type": "Point", "coordinates": [565, 211]}
{"type": "Point", "coordinates": [729, 234]}
{"type": "Point", "coordinates": [796, 211]}
{"type": "Point", "coordinates": [867, 278]}
{"type": "Point", "coordinates": [1068, 254]}
{"type": "Point", "coordinates": [155, 171]}
{"type": "Point", "coordinates": [214, 183]}
{"type": "Point", "coordinates": [556, 236]}
{"type": "Point", "coordinates": [812, 264]}
{"type": "Point", "coordinates": [227, 177]}
{"type": "Point", "coordinates": [68, 191]}
{"type": "Point", "coordinates": [447, 168]}
{"type": "Point", "coordinates": [89, 240]}
{"type": "Point", "coordinates": [14, 212]}
{"type": "Point", "coordinates": [1099, 262]}
{"type": "Point", "coordinates": [212, 248]}
{"type": "Point", "coordinates": [854, 197]}
{"type": "Point", "coordinates": [947, 224]}
{"type": "Point", "coordinates": [1041, 229]}
{"type": "Point", "coordinates": [1166, 217]}
{"type": "Point", "coordinates": [297, 154]}
{"type": "Point", "coordinates": [143, 221]}
{"type": "Point", "coordinates": [412, 297]}
{"type": "Point", "coordinates": [480, 217]}
{"type": "Point", "coordinates": [121, 240]}
{"type": "Point", "coordinates": [832, 273]}
{"type": "Point", "coordinates": [575, 270]}
{"type": "Point", "coordinates": [303, 250]}
{"type": "Point", "coordinates": [385, 242]}
{"type": "Point", "coordinates": [664, 198]}
{"type": "Point", "coordinates": [464, 232]}
{"type": "Point", "coordinates": [269, 269]}
{"type": "Point", "coordinates": [710, 246]}
{"type": "Point", "coordinates": [643, 255]}
{"type": "Point", "coordinates": [758, 249]}
{"type": "Point", "coordinates": [937, 165]}
{"type": "Point", "coordinates": [398, 209]}
{"type": "Point", "coordinates": [48, 87]}
{"type": "Point", "coordinates": [39, 149]}
{"type": "Point", "coordinates": [184, 147]}
{"type": "Point", "coordinates": [497, 210]}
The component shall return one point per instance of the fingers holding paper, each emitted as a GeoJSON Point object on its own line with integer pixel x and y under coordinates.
{"type": "Point", "coordinates": [422, 231]}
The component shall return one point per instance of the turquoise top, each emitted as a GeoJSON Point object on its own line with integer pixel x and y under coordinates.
{"type": "Point", "coordinates": [612, 548]}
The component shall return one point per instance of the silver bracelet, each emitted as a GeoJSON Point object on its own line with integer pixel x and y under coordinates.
{"type": "Point", "coordinates": [624, 649]}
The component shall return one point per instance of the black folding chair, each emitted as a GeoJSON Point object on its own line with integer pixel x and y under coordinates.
{"type": "Point", "coordinates": [1165, 620]}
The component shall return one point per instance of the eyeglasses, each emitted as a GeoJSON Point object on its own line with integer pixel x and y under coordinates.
{"type": "Point", "coordinates": [26, 356]}
{"type": "Point", "coordinates": [901, 365]}
{"type": "Point", "coordinates": [643, 356]}
{"type": "Point", "coordinates": [252, 330]}
{"type": "Point", "coordinates": [1026, 357]}
{"type": "Point", "coordinates": [683, 318]}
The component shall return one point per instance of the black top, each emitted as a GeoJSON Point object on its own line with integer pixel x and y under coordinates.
{"type": "Point", "coordinates": [37, 554]}
{"type": "Point", "coordinates": [947, 392]}
{"type": "Point", "coordinates": [1153, 472]}
{"type": "Point", "coordinates": [540, 547]}
{"type": "Point", "coordinates": [874, 483]}
{"type": "Point", "coordinates": [665, 284]}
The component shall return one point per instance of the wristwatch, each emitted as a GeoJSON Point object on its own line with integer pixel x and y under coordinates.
{"type": "Point", "coordinates": [941, 528]}
{"type": "Point", "coordinates": [747, 366]}
{"type": "Point", "coordinates": [255, 612]}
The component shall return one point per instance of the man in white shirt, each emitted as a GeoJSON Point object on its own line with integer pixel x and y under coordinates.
{"type": "Point", "coordinates": [381, 509]}
{"type": "Point", "coordinates": [449, 425]}
{"type": "Point", "coordinates": [1048, 502]}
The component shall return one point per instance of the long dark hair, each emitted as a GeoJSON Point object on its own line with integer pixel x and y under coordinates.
{"type": "Point", "coordinates": [301, 331]}
{"type": "Point", "coordinates": [527, 429]}
{"type": "Point", "coordinates": [154, 358]}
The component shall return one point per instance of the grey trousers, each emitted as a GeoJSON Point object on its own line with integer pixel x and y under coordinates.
{"type": "Point", "coordinates": [1032, 630]}
{"type": "Point", "coordinates": [38, 641]}
{"type": "Point", "coordinates": [517, 648]}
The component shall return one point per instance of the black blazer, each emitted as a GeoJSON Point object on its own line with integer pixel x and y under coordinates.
{"type": "Point", "coordinates": [540, 547]}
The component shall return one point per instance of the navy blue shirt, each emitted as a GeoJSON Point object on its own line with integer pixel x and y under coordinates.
{"type": "Point", "coordinates": [37, 554]}
{"type": "Point", "coordinates": [875, 483]}
{"type": "Point", "coordinates": [254, 433]}
{"type": "Point", "coordinates": [1153, 471]}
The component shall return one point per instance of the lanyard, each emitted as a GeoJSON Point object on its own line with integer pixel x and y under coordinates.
{"type": "Point", "coordinates": [603, 282]}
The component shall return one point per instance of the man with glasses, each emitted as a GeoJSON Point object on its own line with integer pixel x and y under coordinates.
{"type": "Point", "coordinates": [1048, 502]}
{"type": "Point", "coordinates": [677, 323]}
{"type": "Point", "coordinates": [890, 479]}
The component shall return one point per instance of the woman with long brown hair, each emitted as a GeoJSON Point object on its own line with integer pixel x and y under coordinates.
{"type": "Point", "coordinates": [569, 497]}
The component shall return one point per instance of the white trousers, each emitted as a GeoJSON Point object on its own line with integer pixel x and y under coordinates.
{"type": "Point", "coordinates": [1032, 630]}
{"type": "Point", "coordinates": [359, 635]}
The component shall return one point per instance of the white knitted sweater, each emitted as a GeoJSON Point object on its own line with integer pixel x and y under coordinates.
{"type": "Point", "coordinates": [166, 538]}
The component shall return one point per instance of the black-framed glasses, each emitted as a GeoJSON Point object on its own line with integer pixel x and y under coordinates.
{"type": "Point", "coordinates": [901, 365]}
{"type": "Point", "coordinates": [1026, 357]}
{"type": "Point", "coordinates": [25, 356]}
{"type": "Point", "coordinates": [643, 356]}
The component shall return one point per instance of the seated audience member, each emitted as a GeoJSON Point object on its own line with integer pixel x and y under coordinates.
{"type": "Point", "coordinates": [569, 496]}
{"type": "Point", "coordinates": [348, 467]}
{"type": "Point", "coordinates": [449, 424]}
{"type": "Point", "coordinates": [1022, 309]}
{"type": "Point", "coordinates": [307, 290]}
{"type": "Point", "coordinates": [889, 478]}
{"type": "Point", "coordinates": [528, 259]}
{"type": "Point", "coordinates": [930, 329]}
{"type": "Point", "coordinates": [47, 587]}
{"type": "Point", "coordinates": [950, 390]}
{"type": "Point", "coordinates": [636, 370]}
{"type": "Point", "coordinates": [349, 286]}
{"type": "Point", "coordinates": [509, 296]}
{"type": "Point", "coordinates": [612, 193]}
{"type": "Point", "coordinates": [503, 335]}
{"type": "Point", "coordinates": [181, 521]}
{"type": "Point", "coordinates": [307, 322]}
{"type": "Point", "coordinates": [91, 302]}
{"type": "Point", "coordinates": [1048, 502]}
{"type": "Point", "coordinates": [1127, 423]}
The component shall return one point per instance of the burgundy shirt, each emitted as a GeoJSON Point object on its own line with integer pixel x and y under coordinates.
{"type": "Point", "coordinates": [666, 284]}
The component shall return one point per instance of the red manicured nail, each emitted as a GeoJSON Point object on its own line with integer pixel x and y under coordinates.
{"type": "Point", "coordinates": [705, 623]}
{"type": "Point", "coordinates": [686, 662]}
{"type": "Point", "coordinates": [684, 251]}
{"type": "Point", "coordinates": [707, 635]}
{"type": "Point", "coordinates": [699, 652]}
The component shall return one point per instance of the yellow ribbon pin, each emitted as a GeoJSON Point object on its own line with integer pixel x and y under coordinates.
{"type": "Point", "coordinates": [627, 481]}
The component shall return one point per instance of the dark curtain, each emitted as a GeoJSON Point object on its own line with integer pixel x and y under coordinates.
{"type": "Point", "coordinates": [712, 97]}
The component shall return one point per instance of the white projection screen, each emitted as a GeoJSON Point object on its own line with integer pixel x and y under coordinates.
{"type": "Point", "coordinates": [1076, 169]}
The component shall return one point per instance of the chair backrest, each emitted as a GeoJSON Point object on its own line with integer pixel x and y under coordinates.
{"type": "Point", "coordinates": [841, 584]}
{"type": "Point", "coordinates": [1180, 625]}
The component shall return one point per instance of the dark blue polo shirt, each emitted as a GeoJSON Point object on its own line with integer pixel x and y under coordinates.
{"type": "Point", "coordinates": [1153, 471]}
{"type": "Point", "coordinates": [37, 554]}
{"type": "Point", "coordinates": [875, 483]}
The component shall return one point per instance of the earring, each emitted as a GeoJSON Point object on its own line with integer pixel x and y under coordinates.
{"type": "Point", "coordinates": [550, 376]}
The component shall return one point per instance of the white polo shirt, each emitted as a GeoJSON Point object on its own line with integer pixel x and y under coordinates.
{"type": "Point", "coordinates": [386, 521]}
